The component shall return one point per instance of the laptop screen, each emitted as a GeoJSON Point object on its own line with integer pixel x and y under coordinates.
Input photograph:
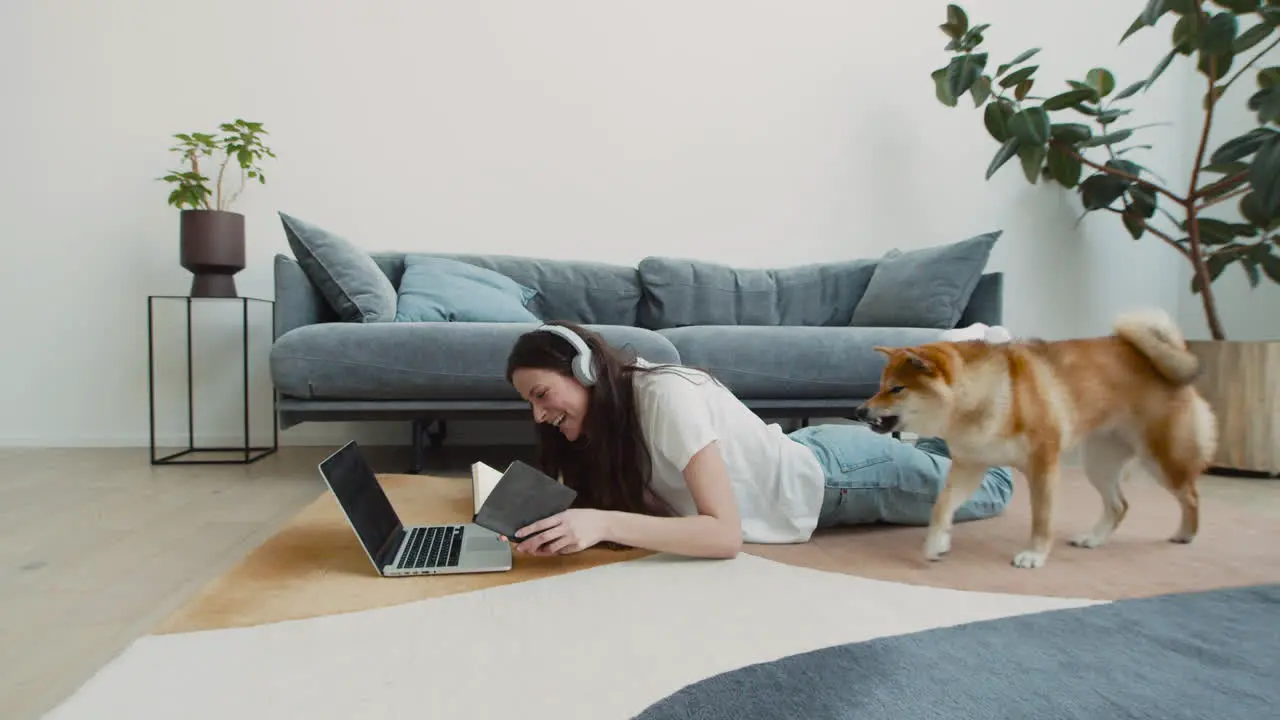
{"type": "Point", "coordinates": [360, 495]}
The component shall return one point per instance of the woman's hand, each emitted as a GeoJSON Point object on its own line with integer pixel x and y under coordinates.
{"type": "Point", "coordinates": [570, 531]}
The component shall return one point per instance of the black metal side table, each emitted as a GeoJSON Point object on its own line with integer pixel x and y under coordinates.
{"type": "Point", "coordinates": [243, 454]}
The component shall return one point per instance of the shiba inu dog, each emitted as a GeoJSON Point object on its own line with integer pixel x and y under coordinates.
{"type": "Point", "coordinates": [1125, 399]}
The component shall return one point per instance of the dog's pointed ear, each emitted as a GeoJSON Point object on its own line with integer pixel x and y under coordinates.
{"type": "Point", "coordinates": [920, 362]}
{"type": "Point", "coordinates": [886, 351]}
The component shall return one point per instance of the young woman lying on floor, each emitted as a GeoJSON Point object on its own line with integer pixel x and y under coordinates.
{"type": "Point", "coordinates": [665, 458]}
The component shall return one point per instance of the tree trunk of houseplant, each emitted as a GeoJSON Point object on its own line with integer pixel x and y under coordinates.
{"type": "Point", "coordinates": [212, 248]}
{"type": "Point", "coordinates": [1241, 381]}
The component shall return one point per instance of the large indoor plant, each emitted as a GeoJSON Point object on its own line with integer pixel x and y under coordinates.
{"type": "Point", "coordinates": [211, 237]}
{"type": "Point", "coordinates": [1226, 213]}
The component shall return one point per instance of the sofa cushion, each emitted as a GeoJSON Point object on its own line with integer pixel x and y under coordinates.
{"type": "Point", "coordinates": [584, 292]}
{"type": "Point", "coordinates": [436, 289]}
{"type": "Point", "coordinates": [792, 362]}
{"type": "Point", "coordinates": [679, 293]}
{"type": "Point", "coordinates": [417, 361]}
{"type": "Point", "coordinates": [348, 278]}
{"type": "Point", "coordinates": [926, 288]}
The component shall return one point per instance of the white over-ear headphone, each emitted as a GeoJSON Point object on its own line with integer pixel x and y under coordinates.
{"type": "Point", "coordinates": [583, 369]}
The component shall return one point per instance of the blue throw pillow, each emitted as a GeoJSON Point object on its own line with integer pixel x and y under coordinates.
{"type": "Point", "coordinates": [435, 289]}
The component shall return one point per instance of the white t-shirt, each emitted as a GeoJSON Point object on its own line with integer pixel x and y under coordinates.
{"type": "Point", "coordinates": [778, 482]}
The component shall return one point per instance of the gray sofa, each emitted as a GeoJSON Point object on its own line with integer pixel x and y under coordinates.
{"type": "Point", "coordinates": [791, 342]}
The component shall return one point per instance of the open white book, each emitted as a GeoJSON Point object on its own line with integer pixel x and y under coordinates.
{"type": "Point", "coordinates": [483, 480]}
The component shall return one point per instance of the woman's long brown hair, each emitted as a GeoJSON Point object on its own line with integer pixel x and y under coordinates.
{"type": "Point", "coordinates": [608, 465]}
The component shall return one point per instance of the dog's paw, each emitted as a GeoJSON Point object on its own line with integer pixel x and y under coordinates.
{"type": "Point", "coordinates": [1030, 559]}
{"type": "Point", "coordinates": [1182, 538]}
{"type": "Point", "coordinates": [936, 545]}
{"type": "Point", "coordinates": [1088, 540]}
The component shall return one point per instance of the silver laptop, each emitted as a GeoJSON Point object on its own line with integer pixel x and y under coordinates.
{"type": "Point", "coordinates": [396, 550]}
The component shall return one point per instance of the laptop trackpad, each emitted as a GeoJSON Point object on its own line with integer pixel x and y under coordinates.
{"type": "Point", "coordinates": [482, 542]}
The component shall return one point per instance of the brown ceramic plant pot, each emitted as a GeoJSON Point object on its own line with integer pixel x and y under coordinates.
{"type": "Point", "coordinates": [212, 249]}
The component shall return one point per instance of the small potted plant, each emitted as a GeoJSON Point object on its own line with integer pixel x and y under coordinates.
{"type": "Point", "coordinates": [211, 237]}
{"type": "Point", "coordinates": [1225, 214]}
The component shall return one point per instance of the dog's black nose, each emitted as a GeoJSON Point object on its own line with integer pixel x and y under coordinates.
{"type": "Point", "coordinates": [860, 413]}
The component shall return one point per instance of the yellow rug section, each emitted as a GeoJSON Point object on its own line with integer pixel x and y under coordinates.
{"type": "Point", "coordinates": [314, 566]}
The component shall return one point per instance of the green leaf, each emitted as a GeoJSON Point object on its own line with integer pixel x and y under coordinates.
{"type": "Point", "coordinates": [940, 88]}
{"type": "Point", "coordinates": [1266, 103]}
{"type": "Point", "coordinates": [1003, 155]}
{"type": "Point", "coordinates": [1240, 6]}
{"type": "Point", "coordinates": [1134, 223]}
{"type": "Point", "coordinates": [1018, 76]}
{"type": "Point", "coordinates": [1188, 34]}
{"type": "Point", "coordinates": [1100, 190]}
{"type": "Point", "coordinates": [1251, 37]}
{"type": "Point", "coordinates": [1032, 157]}
{"type": "Point", "coordinates": [1138, 24]}
{"type": "Point", "coordinates": [1154, 10]}
{"type": "Point", "coordinates": [1252, 210]}
{"type": "Point", "coordinates": [1242, 146]}
{"type": "Point", "coordinates": [1270, 265]}
{"type": "Point", "coordinates": [1125, 166]}
{"type": "Point", "coordinates": [1023, 89]}
{"type": "Point", "coordinates": [1067, 99]}
{"type": "Point", "coordinates": [964, 71]}
{"type": "Point", "coordinates": [1226, 168]}
{"type": "Point", "coordinates": [1130, 91]}
{"type": "Point", "coordinates": [1070, 133]}
{"type": "Point", "coordinates": [1215, 66]}
{"type": "Point", "coordinates": [1161, 67]}
{"type": "Point", "coordinates": [1031, 126]}
{"type": "Point", "coordinates": [1216, 232]}
{"type": "Point", "coordinates": [1063, 166]}
{"type": "Point", "coordinates": [1269, 77]}
{"type": "Point", "coordinates": [1264, 176]}
{"type": "Point", "coordinates": [1108, 139]}
{"type": "Point", "coordinates": [996, 117]}
{"type": "Point", "coordinates": [1220, 34]}
{"type": "Point", "coordinates": [1223, 186]}
{"type": "Point", "coordinates": [1142, 201]}
{"type": "Point", "coordinates": [1021, 58]}
{"type": "Point", "coordinates": [957, 21]}
{"type": "Point", "coordinates": [981, 90]}
{"type": "Point", "coordinates": [1110, 115]}
{"type": "Point", "coordinates": [1102, 80]}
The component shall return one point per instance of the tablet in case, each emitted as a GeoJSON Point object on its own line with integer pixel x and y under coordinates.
{"type": "Point", "coordinates": [522, 497]}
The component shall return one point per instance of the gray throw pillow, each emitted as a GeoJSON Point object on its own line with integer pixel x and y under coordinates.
{"type": "Point", "coordinates": [346, 276]}
{"type": "Point", "coordinates": [925, 288]}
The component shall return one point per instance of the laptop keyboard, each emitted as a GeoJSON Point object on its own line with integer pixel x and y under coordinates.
{"type": "Point", "coordinates": [430, 547]}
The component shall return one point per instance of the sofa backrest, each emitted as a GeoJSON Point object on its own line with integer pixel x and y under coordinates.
{"type": "Point", "coordinates": [680, 292]}
{"type": "Point", "coordinates": [579, 291]}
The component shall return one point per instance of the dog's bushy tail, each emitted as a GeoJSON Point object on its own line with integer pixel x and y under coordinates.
{"type": "Point", "coordinates": [1156, 336]}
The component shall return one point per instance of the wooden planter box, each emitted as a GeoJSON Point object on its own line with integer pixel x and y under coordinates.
{"type": "Point", "coordinates": [1241, 381]}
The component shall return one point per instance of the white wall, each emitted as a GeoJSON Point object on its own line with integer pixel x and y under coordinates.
{"type": "Point", "coordinates": [786, 132]}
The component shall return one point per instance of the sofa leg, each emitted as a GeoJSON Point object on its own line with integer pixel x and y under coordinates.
{"type": "Point", "coordinates": [437, 437]}
{"type": "Point", "coordinates": [422, 432]}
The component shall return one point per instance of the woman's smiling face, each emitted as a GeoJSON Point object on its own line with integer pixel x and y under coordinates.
{"type": "Point", "coordinates": [556, 399]}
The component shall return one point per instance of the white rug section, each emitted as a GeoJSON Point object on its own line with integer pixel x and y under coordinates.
{"type": "Point", "coordinates": [599, 643]}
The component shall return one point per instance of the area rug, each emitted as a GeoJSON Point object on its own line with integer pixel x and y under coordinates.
{"type": "Point", "coordinates": [1213, 654]}
{"type": "Point", "coordinates": [303, 627]}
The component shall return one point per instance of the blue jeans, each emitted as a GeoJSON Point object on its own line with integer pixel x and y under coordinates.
{"type": "Point", "coordinates": [877, 478]}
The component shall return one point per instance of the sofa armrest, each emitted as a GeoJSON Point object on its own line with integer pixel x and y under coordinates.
{"type": "Point", "coordinates": [298, 300]}
{"type": "Point", "coordinates": [986, 304]}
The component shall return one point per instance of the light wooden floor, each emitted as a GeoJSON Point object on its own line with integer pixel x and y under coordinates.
{"type": "Point", "coordinates": [98, 546]}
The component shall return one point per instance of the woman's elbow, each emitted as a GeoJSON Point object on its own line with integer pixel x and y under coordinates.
{"type": "Point", "coordinates": [731, 545]}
